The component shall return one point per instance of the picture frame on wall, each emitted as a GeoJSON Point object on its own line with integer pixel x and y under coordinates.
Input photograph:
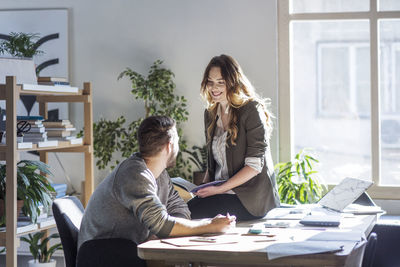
{"type": "Point", "coordinates": [51, 26]}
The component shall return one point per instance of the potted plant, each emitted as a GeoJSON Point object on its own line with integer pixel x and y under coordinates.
{"type": "Point", "coordinates": [198, 155]}
{"type": "Point", "coordinates": [297, 181]}
{"type": "Point", "coordinates": [33, 188]}
{"type": "Point", "coordinates": [157, 94]}
{"type": "Point", "coordinates": [40, 251]}
{"type": "Point", "coordinates": [23, 45]}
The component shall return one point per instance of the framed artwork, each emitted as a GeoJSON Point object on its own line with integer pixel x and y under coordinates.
{"type": "Point", "coordinates": [51, 25]}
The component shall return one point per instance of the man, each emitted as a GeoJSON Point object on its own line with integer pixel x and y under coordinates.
{"type": "Point", "coordinates": [137, 199]}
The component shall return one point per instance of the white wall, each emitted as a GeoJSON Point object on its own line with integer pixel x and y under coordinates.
{"type": "Point", "coordinates": [105, 37]}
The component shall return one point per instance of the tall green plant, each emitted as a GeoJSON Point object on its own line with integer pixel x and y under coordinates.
{"type": "Point", "coordinates": [296, 180]}
{"type": "Point", "coordinates": [39, 248]}
{"type": "Point", "coordinates": [21, 45]}
{"type": "Point", "coordinates": [157, 93]}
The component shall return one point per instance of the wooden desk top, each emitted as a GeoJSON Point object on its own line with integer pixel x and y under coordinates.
{"type": "Point", "coordinates": [252, 250]}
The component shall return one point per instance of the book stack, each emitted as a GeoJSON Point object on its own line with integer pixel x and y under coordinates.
{"type": "Point", "coordinates": [61, 130]}
{"type": "Point", "coordinates": [61, 189]}
{"type": "Point", "coordinates": [37, 134]}
{"type": "Point", "coordinates": [50, 84]}
{"type": "Point", "coordinates": [52, 81]}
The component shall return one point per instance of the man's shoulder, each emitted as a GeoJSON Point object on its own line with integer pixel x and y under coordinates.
{"type": "Point", "coordinates": [131, 168]}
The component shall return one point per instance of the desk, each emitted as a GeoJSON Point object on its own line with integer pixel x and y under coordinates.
{"type": "Point", "coordinates": [246, 252]}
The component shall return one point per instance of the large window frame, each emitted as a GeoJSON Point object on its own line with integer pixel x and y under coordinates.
{"type": "Point", "coordinates": [285, 95]}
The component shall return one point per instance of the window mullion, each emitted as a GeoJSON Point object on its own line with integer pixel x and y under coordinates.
{"type": "Point", "coordinates": [375, 97]}
{"type": "Point", "coordinates": [285, 103]}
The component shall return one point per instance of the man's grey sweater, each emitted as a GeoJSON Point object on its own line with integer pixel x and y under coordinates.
{"type": "Point", "coordinates": [130, 203]}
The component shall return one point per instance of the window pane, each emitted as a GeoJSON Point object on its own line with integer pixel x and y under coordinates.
{"type": "Point", "coordinates": [333, 80]}
{"type": "Point", "coordinates": [389, 5]}
{"type": "Point", "coordinates": [327, 6]}
{"type": "Point", "coordinates": [331, 88]}
{"type": "Point", "coordinates": [389, 43]}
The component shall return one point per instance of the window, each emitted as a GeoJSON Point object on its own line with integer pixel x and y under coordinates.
{"type": "Point", "coordinates": [339, 88]}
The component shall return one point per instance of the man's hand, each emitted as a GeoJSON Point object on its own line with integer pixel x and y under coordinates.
{"type": "Point", "coordinates": [221, 223]}
{"type": "Point", "coordinates": [209, 191]}
{"type": "Point", "coordinates": [218, 224]}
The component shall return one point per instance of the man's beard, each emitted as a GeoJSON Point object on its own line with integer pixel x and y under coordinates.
{"type": "Point", "coordinates": [171, 161]}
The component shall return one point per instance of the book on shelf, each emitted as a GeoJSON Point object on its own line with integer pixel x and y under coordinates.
{"type": "Point", "coordinates": [58, 123]}
{"type": "Point", "coordinates": [37, 124]}
{"type": "Point", "coordinates": [68, 127]}
{"type": "Point", "coordinates": [34, 124]}
{"type": "Point", "coordinates": [51, 79]}
{"type": "Point", "coordinates": [48, 143]}
{"type": "Point", "coordinates": [53, 83]}
{"type": "Point", "coordinates": [36, 130]}
{"type": "Point", "coordinates": [76, 141]}
{"type": "Point", "coordinates": [50, 88]}
{"type": "Point", "coordinates": [61, 133]}
{"type": "Point", "coordinates": [25, 145]}
{"type": "Point", "coordinates": [35, 134]}
{"type": "Point", "coordinates": [35, 140]}
{"type": "Point", "coordinates": [30, 119]}
{"type": "Point", "coordinates": [73, 140]}
{"type": "Point", "coordinates": [59, 187]}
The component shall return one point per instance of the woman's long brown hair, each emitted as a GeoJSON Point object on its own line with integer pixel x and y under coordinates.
{"type": "Point", "coordinates": [239, 91]}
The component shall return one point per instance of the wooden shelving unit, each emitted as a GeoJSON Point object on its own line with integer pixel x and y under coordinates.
{"type": "Point", "coordinates": [10, 92]}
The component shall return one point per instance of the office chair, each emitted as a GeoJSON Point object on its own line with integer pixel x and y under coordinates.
{"type": "Point", "coordinates": [68, 212]}
{"type": "Point", "coordinates": [116, 252]}
{"type": "Point", "coordinates": [388, 252]}
{"type": "Point", "coordinates": [369, 253]}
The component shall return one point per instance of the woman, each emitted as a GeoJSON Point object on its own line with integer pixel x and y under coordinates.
{"type": "Point", "coordinates": [237, 129]}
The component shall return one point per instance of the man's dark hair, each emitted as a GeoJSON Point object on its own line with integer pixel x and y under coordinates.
{"type": "Point", "coordinates": [153, 134]}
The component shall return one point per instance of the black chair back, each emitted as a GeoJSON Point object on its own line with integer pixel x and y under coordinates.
{"type": "Point", "coordinates": [369, 253]}
{"type": "Point", "coordinates": [115, 252]}
{"type": "Point", "coordinates": [388, 252]}
{"type": "Point", "coordinates": [68, 213]}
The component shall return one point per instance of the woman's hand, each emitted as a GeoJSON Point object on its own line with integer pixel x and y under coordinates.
{"type": "Point", "coordinates": [209, 191]}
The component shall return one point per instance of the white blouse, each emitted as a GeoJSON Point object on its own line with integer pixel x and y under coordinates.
{"type": "Point", "coordinates": [219, 152]}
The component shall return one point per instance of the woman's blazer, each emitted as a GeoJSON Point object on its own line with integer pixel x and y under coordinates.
{"type": "Point", "coordinates": [259, 194]}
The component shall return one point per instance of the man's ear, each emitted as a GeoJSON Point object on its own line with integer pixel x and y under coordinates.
{"type": "Point", "coordinates": [168, 147]}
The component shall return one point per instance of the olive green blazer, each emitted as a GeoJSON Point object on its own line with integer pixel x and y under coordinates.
{"type": "Point", "coordinates": [259, 194]}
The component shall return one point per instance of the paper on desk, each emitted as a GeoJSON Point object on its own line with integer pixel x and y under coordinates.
{"type": "Point", "coordinates": [280, 250]}
{"type": "Point", "coordinates": [312, 242]}
{"type": "Point", "coordinates": [296, 213]}
{"type": "Point", "coordinates": [339, 235]}
{"type": "Point", "coordinates": [189, 241]}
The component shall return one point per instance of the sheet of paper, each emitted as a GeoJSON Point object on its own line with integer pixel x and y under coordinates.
{"type": "Point", "coordinates": [288, 213]}
{"type": "Point", "coordinates": [280, 250]}
{"type": "Point", "coordinates": [189, 241]}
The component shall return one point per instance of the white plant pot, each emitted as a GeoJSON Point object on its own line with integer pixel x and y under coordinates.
{"type": "Point", "coordinates": [35, 263]}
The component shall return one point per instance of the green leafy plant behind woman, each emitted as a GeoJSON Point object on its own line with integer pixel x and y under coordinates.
{"type": "Point", "coordinates": [297, 181]}
{"type": "Point", "coordinates": [157, 93]}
